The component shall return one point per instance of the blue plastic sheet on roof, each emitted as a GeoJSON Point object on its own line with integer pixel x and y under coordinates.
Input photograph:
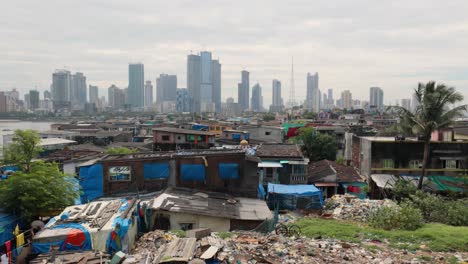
{"type": "Point", "coordinates": [199, 127]}
{"type": "Point", "coordinates": [235, 136]}
{"type": "Point", "coordinates": [65, 244]}
{"type": "Point", "coordinates": [292, 197]}
{"type": "Point", "coordinates": [10, 168]}
{"type": "Point", "coordinates": [297, 189]}
{"type": "Point", "coordinates": [228, 171]}
{"type": "Point", "coordinates": [192, 172]}
{"type": "Point", "coordinates": [91, 178]}
{"type": "Point", "coordinates": [120, 229]}
{"type": "Point", "coordinates": [156, 170]}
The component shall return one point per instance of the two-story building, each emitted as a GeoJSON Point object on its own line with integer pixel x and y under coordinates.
{"type": "Point", "coordinates": [282, 163]}
{"type": "Point", "coordinates": [168, 138]}
{"type": "Point", "coordinates": [228, 171]}
{"type": "Point", "coordinates": [402, 157]}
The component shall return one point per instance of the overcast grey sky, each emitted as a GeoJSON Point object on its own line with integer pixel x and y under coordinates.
{"type": "Point", "coordinates": [353, 44]}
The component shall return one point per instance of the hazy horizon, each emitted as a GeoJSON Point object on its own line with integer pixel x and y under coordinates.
{"type": "Point", "coordinates": [353, 45]}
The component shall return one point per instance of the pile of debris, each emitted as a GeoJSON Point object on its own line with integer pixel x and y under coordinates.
{"type": "Point", "coordinates": [348, 207]}
{"type": "Point", "coordinates": [200, 246]}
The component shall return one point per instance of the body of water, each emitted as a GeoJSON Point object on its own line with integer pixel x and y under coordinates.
{"type": "Point", "coordinates": [8, 126]}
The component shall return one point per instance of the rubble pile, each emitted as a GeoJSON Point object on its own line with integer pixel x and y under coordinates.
{"type": "Point", "coordinates": [257, 248]}
{"type": "Point", "coordinates": [346, 207]}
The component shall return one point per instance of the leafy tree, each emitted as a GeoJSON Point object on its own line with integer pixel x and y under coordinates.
{"type": "Point", "coordinates": [315, 145]}
{"type": "Point", "coordinates": [120, 150]}
{"type": "Point", "coordinates": [435, 111]}
{"type": "Point", "coordinates": [309, 115]}
{"type": "Point", "coordinates": [42, 189]}
{"type": "Point", "coordinates": [23, 148]}
{"type": "Point", "coordinates": [269, 117]}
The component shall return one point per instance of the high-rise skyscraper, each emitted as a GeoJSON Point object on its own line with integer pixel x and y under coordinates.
{"type": "Point", "coordinates": [27, 102]}
{"type": "Point", "coordinates": [406, 103]}
{"type": "Point", "coordinates": [94, 94]}
{"type": "Point", "coordinates": [78, 91]}
{"type": "Point", "coordinates": [313, 93]}
{"type": "Point", "coordinates": [277, 101]}
{"type": "Point", "coordinates": [376, 98]}
{"type": "Point", "coordinates": [33, 99]}
{"type": "Point", "coordinates": [136, 82]}
{"type": "Point", "coordinates": [204, 82]}
{"type": "Point", "coordinates": [166, 88]}
{"type": "Point", "coordinates": [346, 99]}
{"type": "Point", "coordinates": [243, 91]}
{"type": "Point", "coordinates": [116, 97]}
{"type": "Point", "coordinates": [148, 94]}
{"type": "Point", "coordinates": [61, 84]}
{"type": "Point", "coordinates": [47, 94]}
{"type": "Point", "coordinates": [257, 98]}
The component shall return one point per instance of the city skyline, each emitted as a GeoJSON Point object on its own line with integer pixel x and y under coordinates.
{"type": "Point", "coordinates": [386, 45]}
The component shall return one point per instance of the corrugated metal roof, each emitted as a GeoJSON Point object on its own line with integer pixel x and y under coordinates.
{"type": "Point", "coordinates": [211, 204]}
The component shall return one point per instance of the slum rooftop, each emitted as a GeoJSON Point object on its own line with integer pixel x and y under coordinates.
{"type": "Point", "coordinates": [183, 131]}
{"type": "Point", "coordinates": [170, 154]}
{"type": "Point", "coordinates": [279, 150]}
{"type": "Point", "coordinates": [184, 200]}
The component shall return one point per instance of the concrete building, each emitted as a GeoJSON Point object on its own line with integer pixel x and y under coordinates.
{"type": "Point", "coordinates": [204, 82]}
{"type": "Point", "coordinates": [313, 93]}
{"type": "Point", "coordinates": [346, 99]}
{"type": "Point", "coordinates": [136, 82]}
{"type": "Point", "coordinates": [257, 98]}
{"type": "Point", "coordinates": [116, 97]}
{"type": "Point", "coordinates": [148, 95]}
{"type": "Point", "coordinates": [182, 100]}
{"type": "Point", "coordinates": [166, 88]}
{"type": "Point", "coordinates": [376, 97]}
{"type": "Point", "coordinates": [277, 100]}
{"type": "Point", "coordinates": [268, 134]}
{"type": "Point", "coordinates": [243, 91]}
{"type": "Point", "coordinates": [94, 94]}
{"type": "Point", "coordinates": [78, 96]}
{"type": "Point", "coordinates": [406, 103]}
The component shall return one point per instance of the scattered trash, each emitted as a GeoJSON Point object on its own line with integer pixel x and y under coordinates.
{"type": "Point", "coordinates": [345, 207]}
{"type": "Point", "coordinates": [252, 247]}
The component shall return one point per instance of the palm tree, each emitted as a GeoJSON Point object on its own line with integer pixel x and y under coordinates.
{"type": "Point", "coordinates": [435, 110]}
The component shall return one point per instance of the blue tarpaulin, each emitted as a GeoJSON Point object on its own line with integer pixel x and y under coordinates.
{"type": "Point", "coordinates": [156, 170]}
{"type": "Point", "coordinates": [8, 223]}
{"type": "Point", "coordinates": [91, 182]}
{"type": "Point", "coordinates": [228, 171]}
{"type": "Point", "coordinates": [200, 127]}
{"type": "Point", "coordinates": [292, 197]}
{"type": "Point", "coordinates": [193, 172]}
{"type": "Point", "coordinates": [297, 189]}
{"type": "Point", "coordinates": [75, 240]}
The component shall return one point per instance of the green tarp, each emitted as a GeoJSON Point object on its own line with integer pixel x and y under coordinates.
{"type": "Point", "coordinates": [447, 183]}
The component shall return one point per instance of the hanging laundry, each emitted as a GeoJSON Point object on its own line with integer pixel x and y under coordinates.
{"type": "Point", "coordinates": [4, 259]}
{"type": "Point", "coordinates": [20, 240]}
{"type": "Point", "coordinates": [16, 232]}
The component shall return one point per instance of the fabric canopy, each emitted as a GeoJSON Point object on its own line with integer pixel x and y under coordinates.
{"type": "Point", "coordinates": [91, 182]}
{"type": "Point", "coordinates": [192, 172]}
{"type": "Point", "coordinates": [298, 189]}
{"type": "Point", "coordinates": [156, 170]}
{"type": "Point", "coordinates": [228, 171]}
{"type": "Point", "coordinates": [269, 164]}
